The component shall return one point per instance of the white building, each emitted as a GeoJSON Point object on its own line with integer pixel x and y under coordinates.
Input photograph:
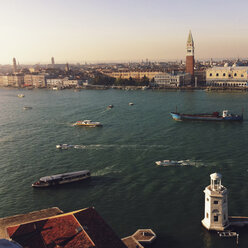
{"type": "Point", "coordinates": [235, 76]}
{"type": "Point", "coordinates": [164, 79]}
{"type": "Point", "coordinates": [216, 207]}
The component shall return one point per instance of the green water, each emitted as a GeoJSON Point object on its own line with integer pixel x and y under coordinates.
{"type": "Point", "coordinates": [126, 188]}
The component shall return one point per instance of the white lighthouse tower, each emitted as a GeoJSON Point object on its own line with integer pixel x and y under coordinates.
{"type": "Point", "coordinates": [216, 207]}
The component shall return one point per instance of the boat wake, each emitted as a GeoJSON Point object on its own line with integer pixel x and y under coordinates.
{"type": "Point", "coordinates": [181, 163]}
{"type": "Point", "coordinates": [105, 171]}
{"type": "Point", "coordinates": [113, 146]}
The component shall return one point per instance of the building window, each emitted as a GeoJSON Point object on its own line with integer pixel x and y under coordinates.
{"type": "Point", "coordinates": [207, 215]}
{"type": "Point", "coordinates": [242, 75]}
{"type": "Point", "coordinates": [210, 75]}
{"type": "Point", "coordinates": [215, 202]}
{"type": "Point", "coordinates": [216, 218]}
{"type": "Point", "coordinates": [207, 199]}
{"type": "Point", "coordinates": [224, 217]}
{"type": "Point", "coordinates": [229, 75]}
{"type": "Point", "coordinates": [217, 74]}
{"type": "Point", "coordinates": [224, 74]}
{"type": "Point", "coordinates": [235, 74]}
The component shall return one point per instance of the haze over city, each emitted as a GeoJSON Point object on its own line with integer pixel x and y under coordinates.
{"type": "Point", "coordinates": [79, 31]}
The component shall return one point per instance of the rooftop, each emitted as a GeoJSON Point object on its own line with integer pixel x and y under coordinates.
{"type": "Point", "coordinates": [82, 228]}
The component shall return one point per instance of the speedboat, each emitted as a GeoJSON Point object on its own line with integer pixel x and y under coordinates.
{"type": "Point", "coordinates": [21, 95]}
{"type": "Point", "coordinates": [130, 104]}
{"type": "Point", "coordinates": [110, 106]}
{"type": "Point", "coordinates": [87, 123]}
{"type": "Point", "coordinates": [64, 146]}
{"type": "Point", "coordinates": [61, 179]}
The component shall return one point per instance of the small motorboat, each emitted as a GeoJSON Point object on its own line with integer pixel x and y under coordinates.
{"type": "Point", "coordinates": [64, 146]}
{"type": "Point", "coordinates": [21, 95]}
{"type": "Point", "coordinates": [87, 123]}
{"type": "Point", "coordinates": [26, 107]}
{"type": "Point", "coordinates": [110, 106]}
{"type": "Point", "coordinates": [130, 104]}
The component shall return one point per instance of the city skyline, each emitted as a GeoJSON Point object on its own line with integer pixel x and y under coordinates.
{"type": "Point", "coordinates": [107, 31]}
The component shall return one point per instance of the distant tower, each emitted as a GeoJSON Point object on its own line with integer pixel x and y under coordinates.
{"type": "Point", "coordinates": [190, 62]}
{"type": "Point", "coordinates": [14, 66]}
{"type": "Point", "coordinates": [67, 67]}
{"type": "Point", "coordinates": [53, 63]}
{"type": "Point", "coordinates": [216, 207]}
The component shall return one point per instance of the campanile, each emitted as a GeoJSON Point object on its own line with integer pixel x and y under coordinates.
{"type": "Point", "coordinates": [190, 61]}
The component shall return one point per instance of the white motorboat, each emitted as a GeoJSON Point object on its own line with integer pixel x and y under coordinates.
{"type": "Point", "coordinates": [21, 95]}
{"type": "Point", "coordinates": [64, 146]}
{"type": "Point", "coordinates": [87, 123]}
{"type": "Point", "coordinates": [61, 179]}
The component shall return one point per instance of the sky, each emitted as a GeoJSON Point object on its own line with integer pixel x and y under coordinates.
{"type": "Point", "coordinates": [121, 30]}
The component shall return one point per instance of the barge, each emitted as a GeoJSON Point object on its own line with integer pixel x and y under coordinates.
{"type": "Point", "coordinates": [215, 116]}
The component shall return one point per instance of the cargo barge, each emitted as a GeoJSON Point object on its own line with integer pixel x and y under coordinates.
{"type": "Point", "coordinates": [215, 116]}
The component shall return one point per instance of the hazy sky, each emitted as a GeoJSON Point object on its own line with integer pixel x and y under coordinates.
{"type": "Point", "coordinates": [121, 30]}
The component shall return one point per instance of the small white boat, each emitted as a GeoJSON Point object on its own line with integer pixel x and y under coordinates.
{"type": "Point", "coordinates": [130, 104]}
{"type": "Point", "coordinates": [21, 95]}
{"type": "Point", "coordinates": [26, 107]}
{"type": "Point", "coordinates": [64, 146]}
{"type": "Point", "coordinates": [110, 106]}
{"type": "Point", "coordinates": [172, 163]}
{"type": "Point", "coordinates": [87, 123]}
{"type": "Point", "coordinates": [61, 179]}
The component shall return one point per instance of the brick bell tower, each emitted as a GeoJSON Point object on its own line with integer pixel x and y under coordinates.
{"type": "Point", "coordinates": [190, 61]}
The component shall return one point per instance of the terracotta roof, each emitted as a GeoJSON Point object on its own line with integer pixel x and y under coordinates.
{"type": "Point", "coordinates": [98, 230]}
{"type": "Point", "coordinates": [84, 228]}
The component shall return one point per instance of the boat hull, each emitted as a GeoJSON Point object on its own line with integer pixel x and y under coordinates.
{"type": "Point", "coordinates": [45, 185]}
{"type": "Point", "coordinates": [204, 117]}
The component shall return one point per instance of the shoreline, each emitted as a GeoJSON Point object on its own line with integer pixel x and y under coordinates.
{"type": "Point", "coordinates": [127, 88]}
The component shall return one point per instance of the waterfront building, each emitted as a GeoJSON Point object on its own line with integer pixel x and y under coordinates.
{"type": "Point", "coordinates": [36, 80]}
{"type": "Point", "coordinates": [164, 79]}
{"type": "Point", "coordinates": [216, 206]}
{"type": "Point", "coordinates": [227, 76]}
{"type": "Point", "coordinates": [54, 82]}
{"type": "Point", "coordinates": [12, 80]}
{"type": "Point", "coordinates": [133, 74]}
{"type": "Point", "coordinates": [72, 82]}
{"type": "Point", "coordinates": [63, 82]}
{"type": "Point", "coordinates": [14, 66]}
{"type": "Point", "coordinates": [190, 61]}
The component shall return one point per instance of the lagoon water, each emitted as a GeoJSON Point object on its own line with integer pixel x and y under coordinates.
{"type": "Point", "coordinates": [126, 188]}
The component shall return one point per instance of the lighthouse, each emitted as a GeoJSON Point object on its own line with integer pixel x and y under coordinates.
{"type": "Point", "coordinates": [216, 207]}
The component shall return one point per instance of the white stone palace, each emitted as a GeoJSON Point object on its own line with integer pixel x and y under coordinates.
{"type": "Point", "coordinates": [216, 206]}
